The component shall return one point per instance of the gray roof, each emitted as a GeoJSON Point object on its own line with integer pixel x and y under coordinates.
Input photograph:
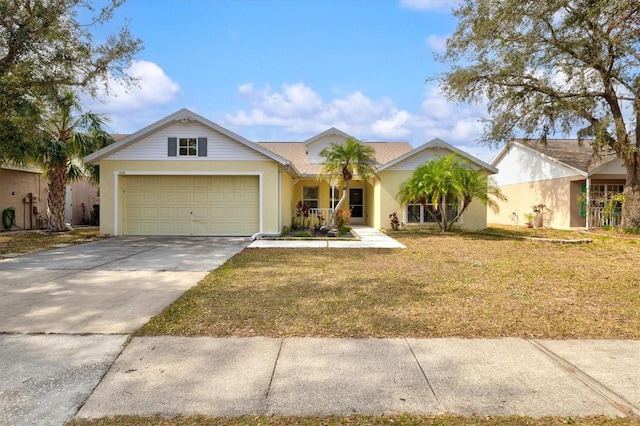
{"type": "Point", "coordinates": [579, 155]}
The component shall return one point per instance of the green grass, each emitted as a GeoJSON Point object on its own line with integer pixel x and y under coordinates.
{"type": "Point", "coordinates": [452, 285]}
{"type": "Point", "coordinates": [33, 241]}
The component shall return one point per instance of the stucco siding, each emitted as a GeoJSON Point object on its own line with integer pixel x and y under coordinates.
{"type": "Point", "coordinates": [219, 146]}
{"type": "Point", "coordinates": [112, 171]}
{"type": "Point", "coordinates": [474, 218]}
{"type": "Point", "coordinates": [84, 195]}
{"type": "Point", "coordinates": [556, 194]}
{"type": "Point", "coordinates": [16, 186]}
{"type": "Point", "coordinates": [521, 165]}
{"type": "Point", "coordinates": [287, 200]}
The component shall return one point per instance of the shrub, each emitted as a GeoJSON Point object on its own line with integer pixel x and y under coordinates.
{"type": "Point", "coordinates": [395, 222]}
{"type": "Point", "coordinates": [344, 230]}
{"type": "Point", "coordinates": [342, 217]}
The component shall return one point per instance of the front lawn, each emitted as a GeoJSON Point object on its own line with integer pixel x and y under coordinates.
{"type": "Point", "coordinates": [20, 242]}
{"type": "Point", "coordinates": [454, 285]}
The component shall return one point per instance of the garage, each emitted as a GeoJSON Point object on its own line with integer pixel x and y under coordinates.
{"type": "Point", "coordinates": [190, 205]}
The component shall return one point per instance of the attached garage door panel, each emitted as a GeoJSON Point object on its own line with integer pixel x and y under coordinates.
{"type": "Point", "coordinates": [190, 205]}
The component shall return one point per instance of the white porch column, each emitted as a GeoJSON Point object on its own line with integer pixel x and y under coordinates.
{"type": "Point", "coordinates": [588, 201]}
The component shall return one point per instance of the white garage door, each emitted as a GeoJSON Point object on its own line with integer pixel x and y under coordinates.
{"type": "Point", "coordinates": [190, 205]}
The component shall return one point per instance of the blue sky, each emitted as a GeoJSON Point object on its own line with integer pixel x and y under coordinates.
{"type": "Point", "coordinates": [285, 70]}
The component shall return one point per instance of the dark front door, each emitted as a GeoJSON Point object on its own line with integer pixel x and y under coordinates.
{"type": "Point", "coordinates": [356, 204]}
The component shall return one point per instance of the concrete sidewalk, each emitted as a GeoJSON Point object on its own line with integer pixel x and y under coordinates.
{"type": "Point", "coordinates": [318, 377]}
{"type": "Point", "coordinates": [368, 237]}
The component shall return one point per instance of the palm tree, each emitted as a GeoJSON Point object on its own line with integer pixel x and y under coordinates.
{"type": "Point", "coordinates": [68, 135]}
{"type": "Point", "coordinates": [445, 182]}
{"type": "Point", "coordinates": [342, 161]}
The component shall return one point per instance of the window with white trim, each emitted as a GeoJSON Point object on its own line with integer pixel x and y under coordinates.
{"type": "Point", "coordinates": [418, 213]}
{"type": "Point", "coordinates": [187, 147]}
{"type": "Point", "coordinates": [310, 196]}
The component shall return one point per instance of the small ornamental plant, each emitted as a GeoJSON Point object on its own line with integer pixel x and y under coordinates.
{"type": "Point", "coordinates": [395, 222]}
{"type": "Point", "coordinates": [342, 218]}
{"type": "Point", "coordinates": [302, 213]}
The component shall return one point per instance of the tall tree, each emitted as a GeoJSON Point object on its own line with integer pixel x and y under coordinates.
{"type": "Point", "coordinates": [546, 66]}
{"type": "Point", "coordinates": [342, 161]}
{"type": "Point", "coordinates": [68, 136]}
{"type": "Point", "coordinates": [46, 45]}
{"type": "Point", "coordinates": [445, 183]}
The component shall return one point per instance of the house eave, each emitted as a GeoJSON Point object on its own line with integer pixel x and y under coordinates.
{"type": "Point", "coordinates": [184, 116]}
{"type": "Point", "coordinates": [439, 143]}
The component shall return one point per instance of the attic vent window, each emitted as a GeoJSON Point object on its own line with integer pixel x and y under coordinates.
{"type": "Point", "coordinates": [187, 147]}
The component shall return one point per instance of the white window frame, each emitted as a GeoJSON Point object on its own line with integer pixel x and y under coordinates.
{"type": "Point", "coordinates": [309, 201]}
{"type": "Point", "coordinates": [191, 151]}
{"type": "Point", "coordinates": [426, 219]}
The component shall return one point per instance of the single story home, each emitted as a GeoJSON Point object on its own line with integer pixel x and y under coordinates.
{"type": "Point", "coordinates": [185, 175]}
{"type": "Point", "coordinates": [568, 178]}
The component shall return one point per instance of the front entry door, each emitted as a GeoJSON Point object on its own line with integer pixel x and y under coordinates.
{"type": "Point", "coordinates": [356, 204]}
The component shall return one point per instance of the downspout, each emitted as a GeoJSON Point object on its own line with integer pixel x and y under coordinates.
{"type": "Point", "coordinates": [259, 235]}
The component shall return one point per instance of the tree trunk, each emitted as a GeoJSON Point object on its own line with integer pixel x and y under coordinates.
{"type": "Point", "coordinates": [56, 199]}
{"type": "Point", "coordinates": [345, 188]}
{"type": "Point", "coordinates": [631, 208]}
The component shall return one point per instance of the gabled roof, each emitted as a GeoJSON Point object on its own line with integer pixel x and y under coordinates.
{"type": "Point", "coordinates": [328, 132]}
{"type": "Point", "coordinates": [183, 115]}
{"type": "Point", "coordinates": [439, 143]}
{"type": "Point", "coordinates": [296, 153]}
{"type": "Point", "coordinates": [569, 152]}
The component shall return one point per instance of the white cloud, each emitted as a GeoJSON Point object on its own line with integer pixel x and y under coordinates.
{"type": "Point", "coordinates": [437, 43]}
{"type": "Point", "coordinates": [297, 112]}
{"type": "Point", "coordinates": [428, 5]}
{"type": "Point", "coordinates": [298, 109]}
{"type": "Point", "coordinates": [154, 88]}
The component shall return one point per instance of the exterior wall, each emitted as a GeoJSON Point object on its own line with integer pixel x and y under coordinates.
{"type": "Point", "coordinates": [84, 196]}
{"type": "Point", "coordinates": [318, 145]}
{"type": "Point", "coordinates": [522, 165]}
{"type": "Point", "coordinates": [420, 158]}
{"type": "Point", "coordinates": [269, 184]}
{"type": "Point", "coordinates": [386, 190]}
{"type": "Point", "coordinates": [15, 186]}
{"type": "Point", "coordinates": [286, 211]}
{"type": "Point", "coordinates": [556, 194]}
{"type": "Point", "coordinates": [219, 146]}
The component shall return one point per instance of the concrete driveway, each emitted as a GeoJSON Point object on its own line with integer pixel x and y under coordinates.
{"type": "Point", "coordinates": [65, 314]}
{"type": "Point", "coordinates": [107, 287]}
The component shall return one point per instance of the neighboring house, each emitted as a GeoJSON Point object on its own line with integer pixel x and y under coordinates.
{"type": "Point", "coordinates": [25, 190]}
{"type": "Point", "coordinates": [185, 175]}
{"type": "Point", "coordinates": [563, 175]}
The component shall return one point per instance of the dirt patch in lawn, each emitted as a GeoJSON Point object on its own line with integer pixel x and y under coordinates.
{"type": "Point", "coordinates": [454, 285]}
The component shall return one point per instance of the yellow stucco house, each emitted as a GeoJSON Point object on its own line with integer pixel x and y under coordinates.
{"type": "Point", "coordinates": [185, 175]}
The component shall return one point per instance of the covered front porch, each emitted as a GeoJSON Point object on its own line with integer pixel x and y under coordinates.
{"type": "Point", "coordinates": [313, 202]}
{"type": "Point", "coordinates": [600, 203]}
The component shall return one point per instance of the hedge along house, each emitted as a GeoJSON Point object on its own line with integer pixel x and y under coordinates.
{"type": "Point", "coordinates": [572, 182]}
{"type": "Point", "coordinates": [185, 175]}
